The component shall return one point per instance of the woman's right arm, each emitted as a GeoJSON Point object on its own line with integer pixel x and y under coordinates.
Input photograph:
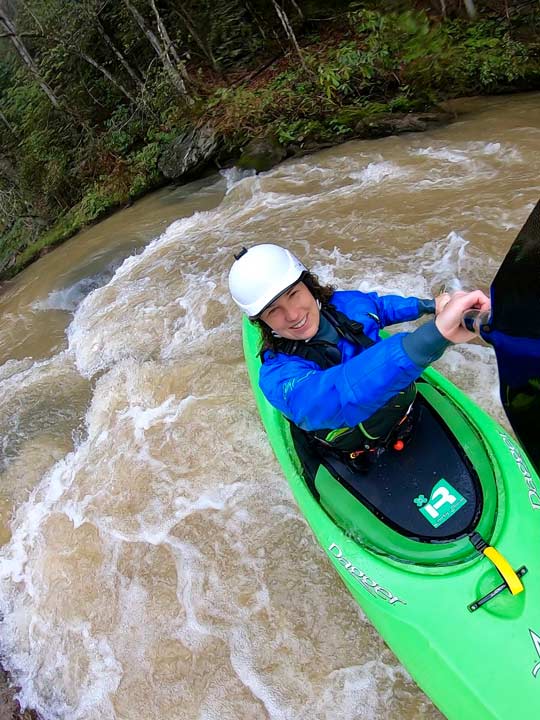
{"type": "Point", "coordinates": [341, 396]}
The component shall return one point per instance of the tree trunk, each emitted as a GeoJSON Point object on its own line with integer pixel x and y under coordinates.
{"type": "Point", "coordinates": [173, 73]}
{"type": "Point", "coordinates": [28, 60]}
{"type": "Point", "coordinates": [300, 13]}
{"type": "Point", "coordinates": [127, 67]}
{"type": "Point", "coordinates": [470, 8]}
{"type": "Point", "coordinates": [169, 45]}
{"type": "Point", "coordinates": [290, 32]}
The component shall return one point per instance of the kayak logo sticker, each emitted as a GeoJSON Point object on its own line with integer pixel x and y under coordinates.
{"type": "Point", "coordinates": [444, 502]}
{"type": "Point", "coordinates": [372, 586]}
{"type": "Point", "coordinates": [534, 492]}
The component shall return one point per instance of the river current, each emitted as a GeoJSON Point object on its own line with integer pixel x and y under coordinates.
{"type": "Point", "coordinates": [153, 561]}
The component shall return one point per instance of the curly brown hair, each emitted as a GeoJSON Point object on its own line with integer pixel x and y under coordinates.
{"type": "Point", "coordinates": [322, 293]}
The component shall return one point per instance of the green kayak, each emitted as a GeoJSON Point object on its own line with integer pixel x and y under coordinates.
{"type": "Point", "coordinates": [438, 543]}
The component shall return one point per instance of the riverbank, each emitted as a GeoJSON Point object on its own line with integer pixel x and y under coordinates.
{"type": "Point", "coordinates": [259, 154]}
{"type": "Point", "coordinates": [360, 74]}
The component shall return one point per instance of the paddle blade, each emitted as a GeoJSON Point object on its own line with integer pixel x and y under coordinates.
{"type": "Point", "coordinates": [515, 291]}
{"type": "Point", "coordinates": [514, 332]}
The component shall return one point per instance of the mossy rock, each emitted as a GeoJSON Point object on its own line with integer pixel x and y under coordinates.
{"type": "Point", "coordinates": [261, 154]}
{"type": "Point", "coordinates": [188, 153]}
{"type": "Point", "coordinates": [351, 116]}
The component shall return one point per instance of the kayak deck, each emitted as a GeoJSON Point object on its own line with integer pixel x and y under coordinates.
{"type": "Point", "coordinates": [431, 492]}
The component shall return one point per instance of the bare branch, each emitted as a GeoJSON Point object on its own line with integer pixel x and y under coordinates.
{"type": "Point", "coordinates": [190, 25]}
{"type": "Point", "coordinates": [7, 123]}
{"type": "Point", "coordinates": [127, 67]}
{"type": "Point", "coordinates": [21, 35]}
{"type": "Point", "coordinates": [32, 15]}
{"type": "Point", "coordinates": [104, 72]}
{"type": "Point", "coordinates": [169, 46]}
{"type": "Point", "coordinates": [298, 10]}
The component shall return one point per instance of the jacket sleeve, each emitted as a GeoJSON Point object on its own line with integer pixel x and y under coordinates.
{"type": "Point", "coordinates": [341, 396]}
{"type": "Point", "coordinates": [387, 309]}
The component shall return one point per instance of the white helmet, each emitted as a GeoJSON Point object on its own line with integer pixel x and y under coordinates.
{"type": "Point", "coordinates": [261, 274]}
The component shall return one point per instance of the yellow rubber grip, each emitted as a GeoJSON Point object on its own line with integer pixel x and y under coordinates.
{"type": "Point", "coordinates": [503, 566]}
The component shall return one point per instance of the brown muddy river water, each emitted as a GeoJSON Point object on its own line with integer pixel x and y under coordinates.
{"type": "Point", "coordinates": [154, 564]}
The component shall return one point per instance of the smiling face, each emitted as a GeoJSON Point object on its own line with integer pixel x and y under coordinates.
{"type": "Point", "coordinates": [294, 315]}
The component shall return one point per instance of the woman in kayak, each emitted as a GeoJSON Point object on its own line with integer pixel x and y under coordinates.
{"type": "Point", "coordinates": [324, 365]}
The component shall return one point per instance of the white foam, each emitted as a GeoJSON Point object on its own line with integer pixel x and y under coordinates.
{"type": "Point", "coordinates": [144, 418]}
{"type": "Point", "coordinates": [443, 261]}
{"type": "Point", "coordinates": [451, 155]}
{"type": "Point", "coordinates": [173, 467]}
{"type": "Point", "coordinates": [376, 173]}
{"type": "Point", "coordinates": [132, 314]}
{"type": "Point", "coordinates": [235, 175]}
{"type": "Point", "coordinates": [466, 153]}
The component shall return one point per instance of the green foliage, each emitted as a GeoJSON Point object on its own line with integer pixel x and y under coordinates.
{"type": "Point", "coordinates": [299, 131]}
{"type": "Point", "coordinates": [123, 130]}
{"type": "Point", "coordinates": [490, 56]}
{"type": "Point", "coordinates": [143, 165]}
{"type": "Point", "coordinates": [93, 204]}
{"type": "Point", "coordinates": [14, 239]}
{"type": "Point", "coordinates": [345, 71]}
{"type": "Point", "coordinates": [409, 51]}
{"type": "Point", "coordinates": [230, 31]}
{"type": "Point", "coordinates": [403, 103]}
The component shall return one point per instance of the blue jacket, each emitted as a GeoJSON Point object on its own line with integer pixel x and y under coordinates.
{"type": "Point", "coordinates": [349, 393]}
